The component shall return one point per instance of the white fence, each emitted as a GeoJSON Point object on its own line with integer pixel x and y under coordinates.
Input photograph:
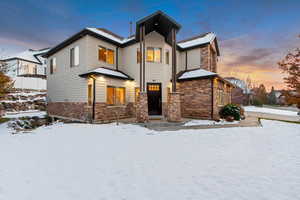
{"type": "Point", "coordinates": [30, 83]}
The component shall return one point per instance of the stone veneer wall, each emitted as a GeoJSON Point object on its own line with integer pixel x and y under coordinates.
{"type": "Point", "coordinates": [174, 109]}
{"type": "Point", "coordinates": [72, 110]}
{"type": "Point", "coordinates": [142, 108]}
{"type": "Point", "coordinates": [83, 112]}
{"type": "Point", "coordinates": [205, 58]}
{"type": "Point", "coordinates": [104, 112]}
{"type": "Point", "coordinates": [196, 98]}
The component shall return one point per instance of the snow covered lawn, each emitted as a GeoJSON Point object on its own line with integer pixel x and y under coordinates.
{"type": "Point", "coordinates": [105, 162]}
{"type": "Point", "coordinates": [208, 122]}
{"type": "Point", "coordinates": [270, 111]}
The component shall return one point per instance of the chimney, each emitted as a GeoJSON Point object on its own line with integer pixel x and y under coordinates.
{"type": "Point", "coordinates": [130, 28]}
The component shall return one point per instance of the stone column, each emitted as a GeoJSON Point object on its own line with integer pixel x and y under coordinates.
{"type": "Point", "coordinates": [174, 109]}
{"type": "Point", "coordinates": [142, 108]}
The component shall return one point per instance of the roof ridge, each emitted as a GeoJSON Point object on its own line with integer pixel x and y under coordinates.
{"type": "Point", "coordinates": [195, 37]}
{"type": "Point", "coordinates": [111, 33]}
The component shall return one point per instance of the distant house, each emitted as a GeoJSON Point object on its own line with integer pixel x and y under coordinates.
{"type": "Point", "coordinates": [28, 69]}
{"type": "Point", "coordinates": [241, 94]}
{"type": "Point", "coordinates": [100, 75]}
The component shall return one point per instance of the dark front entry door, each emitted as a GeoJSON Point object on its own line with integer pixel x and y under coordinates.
{"type": "Point", "coordinates": [154, 98]}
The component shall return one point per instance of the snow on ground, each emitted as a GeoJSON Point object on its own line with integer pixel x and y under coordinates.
{"type": "Point", "coordinates": [270, 110]}
{"type": "Point", "coordinates": [28, 113]}
{"type": "Point", "coordinates": [208, 122]}
{"type": "Point", "coordinates": [97, 162]}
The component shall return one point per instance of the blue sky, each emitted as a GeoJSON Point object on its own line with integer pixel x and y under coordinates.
{"type": "Point", "coordinates": [253, 35]}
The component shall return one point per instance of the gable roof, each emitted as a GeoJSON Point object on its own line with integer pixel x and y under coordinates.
{"type": "Point", "coordinates": [196, 73]}
{"type": "Point", "coordinates": [200, 40]}
{"type": "Point", "coordinates": [151, 20]}
{"type": "Point", "coordinates": [29, 55]}
{"type": "Point", "coordinates": [107, 72]}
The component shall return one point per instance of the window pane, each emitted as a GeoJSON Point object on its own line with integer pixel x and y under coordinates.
{"type": "Point", "coordinates": [167, 57]}
{"type": "Point", "coordinates": [138, 54]}
{"type": "Point", "coordinates": [110, 56]}
{"type": "Point", "coordinates": [54, 64]}
{"type": "Point", "coordinates": [150, 54]}
{"type": "Point", "coordinates": [51, 66]}
{"type": "Point", "coordinates": [102, 54]}
{"type": "Point", "coordinates": [76, 56]}
{"type": "Point", "coordinates": [90, 92]}
{"type": "Point", "coordinates": [72, 57]}
{"type": "Point", "coordinates": [137, 93]}
{"type": "Point", "coordinates": [120, 96]}
{"type": "Point", "coordinates": [157, 55]}
{"type": "Point", "coordinates": [110, 95]}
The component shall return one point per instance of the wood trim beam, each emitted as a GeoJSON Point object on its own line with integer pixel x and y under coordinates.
{"type": "Point", "coordinates": [186, 59]}
{"type": "Point", "coordinates": [141, 59]}
{"type": "Point", "coordinates": [174, 60]}
{"type": "Point", "coordinates": [144, 59]}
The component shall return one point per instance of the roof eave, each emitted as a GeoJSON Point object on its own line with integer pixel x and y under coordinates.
{"type": "Point", "coordinates": [102, 74]}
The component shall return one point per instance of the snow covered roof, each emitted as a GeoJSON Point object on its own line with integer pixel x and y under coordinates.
{"type": "Point", "coordinates": [107, 72]}
{"type": "Point", "coordinates": [110, 35]}
{"type": "Point", "coordinates": [198, 73]}
{"type": "Point", "coordinates": [202, 39]}
{"type": "Point", "coordinates": [28, 55]}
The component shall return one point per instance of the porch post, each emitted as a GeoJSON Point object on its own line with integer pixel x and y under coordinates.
{"type": "Point", "coordinates": [174, 60]}
{"type": "Point", "coordinates": [142, 100]}
{"type": "Point", "coordinates": [174, 107]}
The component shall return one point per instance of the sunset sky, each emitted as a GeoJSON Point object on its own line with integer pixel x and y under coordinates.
{"type": "Point", "coordinates": [253, 35]}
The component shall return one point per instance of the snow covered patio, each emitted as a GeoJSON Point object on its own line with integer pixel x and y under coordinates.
{"type": "Point", "coordinates": [82, 161]}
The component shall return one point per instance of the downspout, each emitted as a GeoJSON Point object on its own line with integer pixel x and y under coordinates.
{"type": "Point", "coordinates": [117, 58]}
{"type": "Point", "coordinates": [186, 60]}
{"type": "Point", "coordinates": [94, 97]}
{"type": "Point", "coordinates": [212, 98]}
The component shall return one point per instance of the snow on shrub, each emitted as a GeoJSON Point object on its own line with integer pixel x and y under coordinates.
{"type": "Point", "coordinates": [230, 110]}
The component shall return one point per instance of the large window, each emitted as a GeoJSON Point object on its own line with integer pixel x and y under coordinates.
{"type": "Point", "coordinates": [106, 55]}
{"type": "Point", "coordinates": [153, 54]}
{"type": "Point", "coordinates": [74, 56]}
{"type": "Point", "coordinates": [52, 65]}
{"type": "Point", "coordinates": [115, 95]}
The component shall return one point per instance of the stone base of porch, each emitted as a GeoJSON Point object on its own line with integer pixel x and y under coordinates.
{"type": "Point", "coordinates": [142, 108]}
{"type": "Point", "coordinates": [174, 109]}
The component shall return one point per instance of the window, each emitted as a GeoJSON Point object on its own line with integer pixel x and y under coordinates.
{"type": "Point", "coordinates": [35, 69]}
{"type": "Point", "coordinates": [154, 54]}
{"type": "Point", "coordinates": [106, 55]}
{"type": "Point", "coordinates": [220, 96]}
{"type": "Point", "coordinates": [45, 70]}
{"type": "Point", "coordinates": [74, 56]}
{"type": "Point", "coordinates": [90, 94]}
{"type": "Point", "coordinates": [138, 56]}
{"type": "Point", "coordinates": [115, 95]}
{"type": "Point", "coordinates": [52, 65]}
{"type": "Point", "coordinates": [137, 93]}
{"type": "Point", "coordinates": [167, 57]}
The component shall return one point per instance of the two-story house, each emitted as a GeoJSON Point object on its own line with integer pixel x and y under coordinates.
{"type": "Point", "coordinates": [99, 75]}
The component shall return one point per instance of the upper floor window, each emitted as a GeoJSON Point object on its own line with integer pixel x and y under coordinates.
{"type": "Point", "coordinates": [167, 57]}
{"type": "Point", "coordinates": [106, 55]}
{"type": "Point", "coordinates": [74, 56]}
{"type": "Point", "coordinates": [153, 54]}
{"type": "Point", "coordinates": [52, 65]}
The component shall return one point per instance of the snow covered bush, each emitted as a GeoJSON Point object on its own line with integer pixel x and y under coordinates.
{"type": "Point", "coordinates": [230, 110]}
